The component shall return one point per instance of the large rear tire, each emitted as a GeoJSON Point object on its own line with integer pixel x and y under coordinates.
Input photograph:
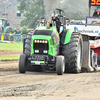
{"type": "Point", "coordinates": [60, 65]}
{"type": "Point", "coordinates": [28, 44]}
{"type": "Point", "coordinates": [73, 54]}
{"type": "Point", "coordinates": [22, 63]}
{"type": "Point", "coordinates": [28, 49]}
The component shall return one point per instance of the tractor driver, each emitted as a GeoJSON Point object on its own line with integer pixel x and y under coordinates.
{"type": "Point", "coordinates": [58, 23]}
{"type": "Point", "coordinates": [97, 12]}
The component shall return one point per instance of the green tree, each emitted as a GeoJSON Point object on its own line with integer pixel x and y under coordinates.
{"type": "Point", "coordinates": [32, 11]}
{"type": "Point", "coordinates": [75, 9]}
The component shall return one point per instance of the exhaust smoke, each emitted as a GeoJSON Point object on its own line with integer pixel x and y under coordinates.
{"type": "Point", "coordinates": [50, 5]}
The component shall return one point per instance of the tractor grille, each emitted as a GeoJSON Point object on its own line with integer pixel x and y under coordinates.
{"type": "Point", "coordinates": [40, 48]}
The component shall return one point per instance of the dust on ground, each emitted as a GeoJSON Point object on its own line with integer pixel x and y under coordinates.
{"type": "Point", "coordinates": [46, 85]}
{"type": "Point", "coordinates": [9, 53]}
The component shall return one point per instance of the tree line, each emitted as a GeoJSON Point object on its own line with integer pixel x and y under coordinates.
{"type": "Point", "coordinates": [33, 10]}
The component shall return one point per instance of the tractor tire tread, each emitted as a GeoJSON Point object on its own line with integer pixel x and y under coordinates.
{"type": "Point", "coordinates": [70, 52]}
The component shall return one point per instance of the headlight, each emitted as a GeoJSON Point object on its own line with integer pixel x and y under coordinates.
{"type": "Point", "coordinates": [43, 41]}
{"type": "Point", "coordinates": [46, 42]}
{"type": "Point", "coordinates": [35, 41]}
{"type": "Point", "coordinates": [36, 51]}
{"type": "Point", "coordinates": [40, 41]}
{"type": "Point", "coordinates": [45, 51]}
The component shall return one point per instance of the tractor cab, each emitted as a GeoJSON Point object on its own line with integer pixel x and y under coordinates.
{"type": "Point", "coordinates": [5, 29]}
{"type": "Point", "coordinates": [3, 24]}
{"type": "Point", "coordinates": [3, 21]}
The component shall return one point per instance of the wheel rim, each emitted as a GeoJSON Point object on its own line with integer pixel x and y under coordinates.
{"type": "Point", "coordinates": [79, 56]}
{"type": "Point", "coordinates": [63, 67]}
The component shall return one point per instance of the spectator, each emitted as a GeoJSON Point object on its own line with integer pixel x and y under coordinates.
{"type": "Point", "coordinates": [18, 33]}
{"type": "Point", "coordinates": [31, 29]}
{"type": "Point", "coordinates": [97, 12]}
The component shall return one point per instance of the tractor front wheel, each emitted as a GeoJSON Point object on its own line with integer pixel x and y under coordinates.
{"type": "Point", "coordinates": [22, 63]}
{"type": "Point", "coordinates": [60, 65]}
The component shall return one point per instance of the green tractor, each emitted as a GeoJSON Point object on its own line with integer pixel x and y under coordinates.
{"type": "Point", "coordinates": [4, 28]}
{"type": "Point", "coordinates": [48, 49]}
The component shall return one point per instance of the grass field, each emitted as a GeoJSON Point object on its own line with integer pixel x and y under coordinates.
{"type": "Point", "coordinates": [13, 47]}
{"type": "Point", "coordinates": [9, 58]}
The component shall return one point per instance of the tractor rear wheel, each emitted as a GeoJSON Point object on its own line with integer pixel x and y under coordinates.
{"type": "Point", "coordinates": [28, 44]}
{"type": "Point", "coordinates": [22, 63]}
{"type": "Point", "coordinates": [73, 54]}
{"type": "Point", "coordinates": [60, 65]}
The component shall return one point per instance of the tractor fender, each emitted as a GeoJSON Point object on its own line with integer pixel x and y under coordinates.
{"type": "Point", "coordinates": [66, 36]}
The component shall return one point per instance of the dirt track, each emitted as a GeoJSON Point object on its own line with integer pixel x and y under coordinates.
{"type": "Point", "coordinates": [46, 85]}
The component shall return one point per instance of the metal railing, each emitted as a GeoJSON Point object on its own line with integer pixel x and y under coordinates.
{"type": "Point", "coordinates": [12, 37]}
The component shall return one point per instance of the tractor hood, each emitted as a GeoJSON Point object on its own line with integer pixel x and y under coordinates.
{"type": "Point", "coordinates": [42, 35]}
{"type": "Point", "coordinates": [42, 32]}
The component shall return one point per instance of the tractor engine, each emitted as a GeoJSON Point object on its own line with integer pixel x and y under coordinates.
{"type": "Point", "coordinates": [44, 42]}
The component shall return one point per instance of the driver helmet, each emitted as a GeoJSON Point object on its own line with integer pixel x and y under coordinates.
{"type": "Point", "coordinates": [54, 16]}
